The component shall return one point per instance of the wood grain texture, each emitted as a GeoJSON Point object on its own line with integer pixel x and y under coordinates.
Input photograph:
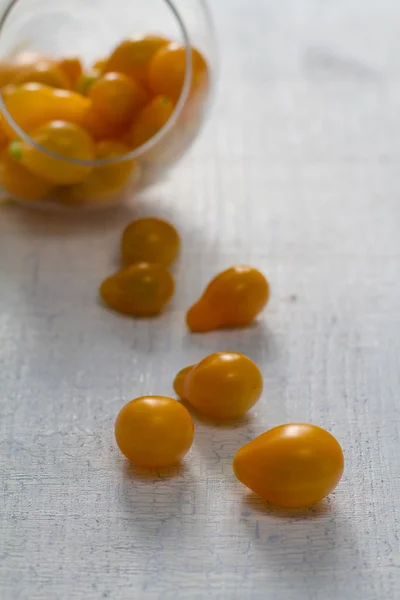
{"type": "Point", "coordinates": [297, 173]}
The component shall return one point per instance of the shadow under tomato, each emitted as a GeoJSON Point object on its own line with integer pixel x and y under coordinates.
{"type": "Point", "coordinates": [243, 421]}
{"type": "Point", "coordinates": [252, 502]}
{"type": "Point", "coordinates": [159, 503]}
{"type": "Point", "coordinates": [304, 544]}
{"type": "Point", "coordinates": [132, 472]}
{"type": "Point", "coordinates": [127, 316]}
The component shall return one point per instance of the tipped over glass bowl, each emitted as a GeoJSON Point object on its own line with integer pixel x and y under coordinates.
{"type": "Point", "coordinates": [99, 98]}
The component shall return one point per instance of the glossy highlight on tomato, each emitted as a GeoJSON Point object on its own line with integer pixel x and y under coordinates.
{"type": "Point", "coordinates": [292, 465]}
{"type": "Point", "coordinates": [132, 56]}
{"type": "Point", "coordinates": [45, 72]}
{"type": "Point", "coordinates": [232, 299]}
{"type": "Point", "coordinates": [63, 138]}
{"type": "Point", "coordinates": [154, 431]}
{"type": "Point", "coordinates": [33, 104]}
{"type": "Point", "coordinates": [117, 98]}
{"type": "Point", "coordinates": [222, 386]}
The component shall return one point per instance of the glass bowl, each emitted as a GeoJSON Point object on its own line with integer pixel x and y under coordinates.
{"type": "Point", "coordinates": [46, 160]}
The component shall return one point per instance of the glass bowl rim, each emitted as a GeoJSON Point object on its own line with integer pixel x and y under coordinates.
{"type": "Point", "coordinates": [137, 152]}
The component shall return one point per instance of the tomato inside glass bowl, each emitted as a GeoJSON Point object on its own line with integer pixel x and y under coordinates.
{"type": "Point", "coordinates": [99, 99]}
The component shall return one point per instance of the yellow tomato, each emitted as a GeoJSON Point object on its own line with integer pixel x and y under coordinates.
{"type": "Point", "coordinates": [116, 98]}
{"type": "Point", "coordinates": [45, 72]}
{"type": "Point", "coordinates": [150, 120]}
{"type": "Point", "coordinates": [9, 69]}
{"type": "Point", "coordinates": [180, 381]}
{"type": "Point", "coordinates": [33, 104]}
{"type": "Point", "coordinates": [151, 240]}
{"type": "Point", "coordinates": [232, 299]}
{"type": "Point", "coordinates": [104, 181]}
{"type": "Point", "coordinates": [4, 140]}
{"type": "Point", "coordinates": [132, 56]}
{"type": "Point", "coordinates": [141, 290]}
{"type": "Point", "coordinates": [72, 68]}
{"type": "Point", "coordinates": [20, 182]}
{"type": "Point", "coordinates": [167, 71]}
{"type": "Point", "coordinates": [291, 465]}
{"type": "Point", "coordinates": [224, 385]}
{"type": "Point", "coordinates": [100, 129]}
{"type": "Point", "coordinates": [8, 72]}
{"type": "Point", "coordinates": [154, 431]}
{"type": "Point", "coordinates": [65, 139]}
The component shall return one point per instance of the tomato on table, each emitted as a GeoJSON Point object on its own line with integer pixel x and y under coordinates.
{"type": "Point", "coordinates": [222, 386]}
{"type": "Point", "coordinates": [150, 240]}
{"type": "Point", "coordinates": [292, 465]}
{"type": "Point", "coordinates": [154, 431]}
{"type": "Point", "coordinates": [140, 290]}
{"type": "Point", "coordinates": [232, 299]}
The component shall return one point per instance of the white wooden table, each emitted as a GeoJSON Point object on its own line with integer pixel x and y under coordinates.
{"type": "Point", "coordinates": [297, 173]}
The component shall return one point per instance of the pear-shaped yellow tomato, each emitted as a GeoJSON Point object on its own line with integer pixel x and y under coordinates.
{"type": "Point", "coordinates": [72, 68]}
{"type": "Point", "coordinates": [117, 98]}
{"type": "Point", "coordinates": [45, 72]}
{"type": "Point", "coordinates": [224, 385]}
{"type": "Point", "coordinates": [20, 182]}
{"type": "Point", "coordinates": [150, 120]}
{"type": "Point", "coordinates": [8, 71]}
{"type": "Point", "coordinates": [151, 240]}
{"type": "Point", "coordinates": [140, 290]}
{"type": "Point", "coordinates": [34, 104]}
{"type": "Point", "coordinates": [167, 69]}
{"type": "Point", "coordinates": [292, 465]}
{"type": "Point", "coordinates": [232, 299]}
{"type": "Point", "coordinates": [65, 139]}
{"type": "Point", "coordinates": [101, 130]}
{"type": "Point", "coordinates": [154, 431]}
{"type": "Point", "coordinates": [103, 181]}
{"type": "Point", "coordinates": [132, 56]}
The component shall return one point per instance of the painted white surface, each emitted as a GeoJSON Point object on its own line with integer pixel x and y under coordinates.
{"type": "Point", "coordinates": [298, 174]}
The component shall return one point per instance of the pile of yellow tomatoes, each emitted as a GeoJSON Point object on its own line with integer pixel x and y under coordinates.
{"type": "Point", "coordinates": [100, 113]}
